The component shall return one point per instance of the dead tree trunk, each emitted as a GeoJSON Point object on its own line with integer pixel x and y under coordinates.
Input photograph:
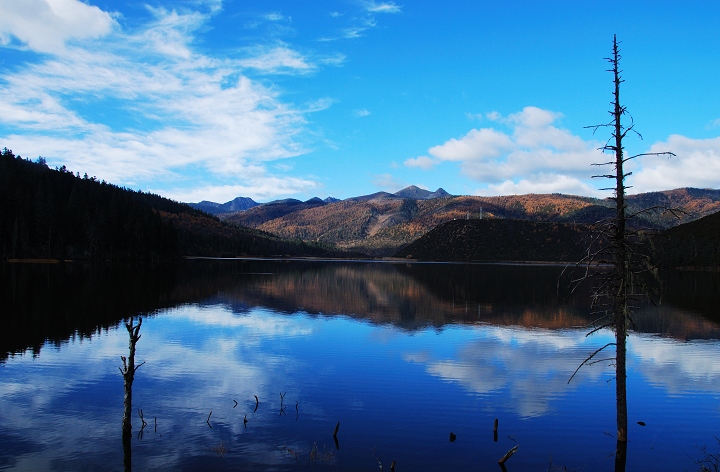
{"type": "Point", "coordinates": [614, 243]}
{"type": "Point", "coordinates": [621, 265]}
{"type": "Point", "coordinates": [128, 372]}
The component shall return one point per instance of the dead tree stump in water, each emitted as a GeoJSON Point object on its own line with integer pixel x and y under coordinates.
{"type": "Point", "coordinates": [128, 372]}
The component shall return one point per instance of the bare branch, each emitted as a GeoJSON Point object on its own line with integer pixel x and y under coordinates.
{"type": "Point", "coordinates": [589, 358]}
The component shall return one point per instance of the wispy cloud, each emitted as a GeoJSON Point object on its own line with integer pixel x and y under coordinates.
{"type": "Point", "coordinates": [192, 118]}
{"type": "Point", "coordinates": [388, 183]}
{"type": "Point", "coordinates": [274, 17]}
{"type": "Point", "coordinates": [383, 7]}
{"type": "Point", "coordinates": [363, 21]}
{"type": "Point", "coordinates": [362, 113]}
{"type": "Point", "coordinates": [714, 124]}
{"type": "Point", "coordinates": [422, 162]}
{"type": "Point", "coordinates": [279, 60]}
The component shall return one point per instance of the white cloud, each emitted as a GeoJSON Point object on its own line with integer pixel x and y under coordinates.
{"type": "Point", "coordinates": [475, 145]}
{"type": "Point", "coordinates": [543, 183]}
{"type": "Point", "coordinates": [189, 116]}
{"type": "Point", "coordinates": [697, 164]}
{"type": "Point", "coordinates": [362, 113]}
{"type": "Point", "coordinates": [423, 162]}
{"type": "Point", "coordinates": [536, 156]}
{"type": "Point", "coordinates": [46, 25]}
{"type": "Point", "coordinates": [260, 187]}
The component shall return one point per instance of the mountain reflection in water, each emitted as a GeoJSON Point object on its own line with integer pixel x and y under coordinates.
{"type": "Point", "coordinates": [399, 354]}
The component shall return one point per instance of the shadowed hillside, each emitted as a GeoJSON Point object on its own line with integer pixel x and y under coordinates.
{"type": "Point", "coordinates": [55, 214]}
{"type": "Point", "coordinates": [500, 240]}
{"type": "Point", "coordinates": [694, 244]}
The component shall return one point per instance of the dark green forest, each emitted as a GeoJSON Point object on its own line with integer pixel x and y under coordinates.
{"type": "Point", "coordinates": [55, 214]}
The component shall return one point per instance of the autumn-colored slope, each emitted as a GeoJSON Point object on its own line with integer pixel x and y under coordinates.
{"type": "Point", "coordinates": [384, 224]}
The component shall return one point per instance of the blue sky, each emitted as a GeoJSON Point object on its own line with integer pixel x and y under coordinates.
{"type": "Point", "coordinates": [212, 99]}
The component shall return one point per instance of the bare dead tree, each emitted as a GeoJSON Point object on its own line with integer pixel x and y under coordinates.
{"type": "Point", "coordinates": [619, 246]}
{"type": "Point", "coordinates": [128, 372]}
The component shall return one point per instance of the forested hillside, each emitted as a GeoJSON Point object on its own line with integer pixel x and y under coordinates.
{"type": "Point", "coordinates": [46, 213]}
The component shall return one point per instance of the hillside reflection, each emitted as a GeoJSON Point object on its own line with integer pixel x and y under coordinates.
{"type": "Point", "coordinates": [57, 302]}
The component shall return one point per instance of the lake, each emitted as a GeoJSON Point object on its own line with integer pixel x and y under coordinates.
{"type": "Point", "coordinates": [414, 361]}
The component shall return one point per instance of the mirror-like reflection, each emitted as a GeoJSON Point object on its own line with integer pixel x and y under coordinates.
{"type": "Point", "coordinates": [399, 355]}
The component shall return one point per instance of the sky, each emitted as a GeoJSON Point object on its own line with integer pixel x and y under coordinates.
{"type": "Point", "coordinates": [269, 99]}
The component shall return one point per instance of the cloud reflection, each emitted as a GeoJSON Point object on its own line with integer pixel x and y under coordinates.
{"type": "Point", "coordinates": [530, 368]}
{"type": "Point", "coordinates": [202, 357]}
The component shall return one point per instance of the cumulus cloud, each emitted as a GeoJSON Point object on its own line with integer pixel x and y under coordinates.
{"type": "Point", "coordinates": [697, 164]}
{"type": "Point", "coordinates": [187, 116]}
{"type": "Point", "coordinates": [475, 145]}
{"type": "Point", "coordinates": [544, 183]}
{"type": "Point", "coordinates": [534, 156]}
{"type": "Point", "coordinates": [46, 25]}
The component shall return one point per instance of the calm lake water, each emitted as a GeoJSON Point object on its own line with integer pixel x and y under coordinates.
{"type": "Point", "coordinates": [401, 355]}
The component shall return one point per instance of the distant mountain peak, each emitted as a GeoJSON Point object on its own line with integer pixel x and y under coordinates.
{"type": "Point", "coordinates": [237, 204]}
{"type": "Point", "coordinates": [416, 193]}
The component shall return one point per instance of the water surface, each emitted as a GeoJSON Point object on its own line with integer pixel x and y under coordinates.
{"type": "Point", "coordinates": [401, 355]}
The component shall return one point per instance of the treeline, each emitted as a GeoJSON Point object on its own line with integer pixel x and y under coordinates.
{"type": "Point", "coordinates": [55, 214]}
{"type": "Point", "coordinates": [47, 213]}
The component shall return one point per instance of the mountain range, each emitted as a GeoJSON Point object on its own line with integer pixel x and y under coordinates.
{"type": "Point", "coordinates": [55, 214]}
{"type": "Point", "coordinates": [382, 223]}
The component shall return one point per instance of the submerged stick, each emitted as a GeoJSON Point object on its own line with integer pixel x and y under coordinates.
{"type": "Point", "coordinates": [337, 444]}
{"type": "Point", "coordinates": [208, 419]}
{"type": "Point", "coordinates": [508, 455]}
